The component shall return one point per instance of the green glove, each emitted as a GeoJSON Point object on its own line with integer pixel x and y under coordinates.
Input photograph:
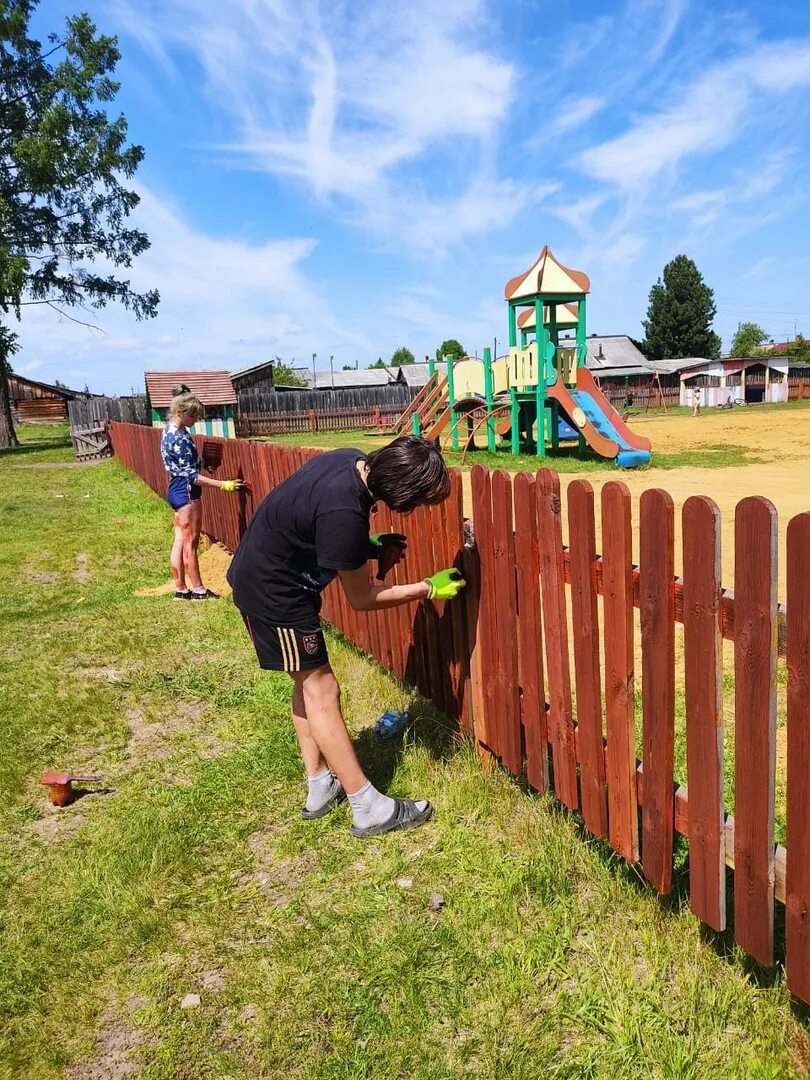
{"type": "Point", "coordinates": [230, 485]}
{"type": "Point", "coordinates": [445, 584]}
{"type": "Point", "coordinates": [380, 540]}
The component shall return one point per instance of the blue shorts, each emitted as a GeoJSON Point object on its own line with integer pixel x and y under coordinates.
{"type": "Point", "coordinates": [181, 492]}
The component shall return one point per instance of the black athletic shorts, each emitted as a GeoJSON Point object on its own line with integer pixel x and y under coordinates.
{"type": "Point", "coordinates": [283, 648]}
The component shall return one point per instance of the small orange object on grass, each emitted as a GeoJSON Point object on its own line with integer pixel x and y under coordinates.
{"type": "Point", "coordinates": [61, 785]}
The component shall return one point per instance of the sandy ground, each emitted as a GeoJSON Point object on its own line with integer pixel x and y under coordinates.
{"type": "Point", "coordinates": [781, 436]}
{"type": "Point", "coordinates": [214, 562]}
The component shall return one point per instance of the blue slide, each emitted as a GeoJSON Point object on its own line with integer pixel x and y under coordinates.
{"type": "Point", "coordinates": [628, 457]}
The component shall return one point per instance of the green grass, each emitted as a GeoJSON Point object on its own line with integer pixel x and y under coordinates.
{"type": "Point", "coordinates": [316, 956]}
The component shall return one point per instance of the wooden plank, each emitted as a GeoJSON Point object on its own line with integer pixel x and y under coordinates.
{"type": "Point", "coordinates": [754, 724]}
{"type": "Point", "coordinates": [703, 659]}
{"type": "Point", "coordinates": [797, 914]}
{"type": "Point", "coordinates": [485, 728]}
{"type": "Point", "coordinates": [588, 679]}
{"type": "Point", "coordinates": [657, 559]}
{"type": "Point", "coordinates": [552, 588]}
{"type": "Point", "coordinates": [530, 633]}
{"type": "Point", "coordinates": [506, 621]}
{"type": "Point", "coordinates": [619, 673]}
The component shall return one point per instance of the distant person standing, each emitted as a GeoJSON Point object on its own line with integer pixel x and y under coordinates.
{"type": "Point", "coordinates": [696, 401]}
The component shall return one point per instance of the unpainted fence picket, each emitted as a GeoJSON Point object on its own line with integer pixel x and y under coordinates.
{"type": "Point", "coordinates": [498, 660]}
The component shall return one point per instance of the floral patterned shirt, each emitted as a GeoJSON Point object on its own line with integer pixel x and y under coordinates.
{"type": "Point", "coordinates": [180, 457]}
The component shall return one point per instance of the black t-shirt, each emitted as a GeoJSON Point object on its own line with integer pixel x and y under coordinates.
{"type": "Point", "coordinates": [312, 525]}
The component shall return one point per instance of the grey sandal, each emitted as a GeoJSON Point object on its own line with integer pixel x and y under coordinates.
{"type": "Point", "coordinates": [327, 808]}
{"type": "Point", "coordinates": [406, 815]}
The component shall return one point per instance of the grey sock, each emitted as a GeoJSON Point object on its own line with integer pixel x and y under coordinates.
{"type": "Point", "coordinates": [371, 807]}
{"type": "Point", "coordinates": [323, 786]}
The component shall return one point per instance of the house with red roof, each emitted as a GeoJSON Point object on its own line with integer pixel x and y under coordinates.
{"type": "Point", "coordinates": [213, 388]}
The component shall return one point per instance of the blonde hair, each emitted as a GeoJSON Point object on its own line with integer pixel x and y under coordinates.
{"type": "Point", "coordinates": [188, 405]}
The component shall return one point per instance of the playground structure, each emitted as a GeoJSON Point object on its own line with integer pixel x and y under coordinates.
{"type": "Point", "coordinates": [538, 395]}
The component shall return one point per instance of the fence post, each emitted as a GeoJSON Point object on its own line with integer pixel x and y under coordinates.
{"type": "Point", "coordinates": [312, 421]}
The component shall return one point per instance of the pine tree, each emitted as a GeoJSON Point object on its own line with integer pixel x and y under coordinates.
{"type": "Point", "coordinates": [62, 160]}
{"type": "Point", "coordinates": [680, 314]}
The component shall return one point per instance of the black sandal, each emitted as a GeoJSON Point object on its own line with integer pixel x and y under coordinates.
{"type": "Point", "coordinates": [406, 815]}
{"type": "Point", "coordinates": [327, 808]}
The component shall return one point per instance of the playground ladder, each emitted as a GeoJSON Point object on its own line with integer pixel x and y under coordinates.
{"type": "Point", "coordinates": [426, 405]}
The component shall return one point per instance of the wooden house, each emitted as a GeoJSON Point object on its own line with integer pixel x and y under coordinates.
{"type": "Point", "coordinates": [34, 402]}
{"type": "Point", "coordinates": [213, 388]}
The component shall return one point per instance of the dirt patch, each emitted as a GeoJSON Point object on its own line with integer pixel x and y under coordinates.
{"type": "Point", "coordinates": [57, 824]}
{"type": "Point", "coordinates": [41, 577]}
{"type": "Point", "coordinates": [81, 573]}
{"type": "Point", "coordinates": [214, 562]}
{"type": "Point", "coordinates": [106, 674]}
{"type": "Point", "coordinates": [157, 740]}
{"type": "Point", "coordinates": [114, 1056]}
{"type": "Point", "coordinates": [278, 881]}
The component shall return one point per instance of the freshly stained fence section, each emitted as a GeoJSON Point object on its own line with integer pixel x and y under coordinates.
{"type": "Point", "coordinates": [498, 660]}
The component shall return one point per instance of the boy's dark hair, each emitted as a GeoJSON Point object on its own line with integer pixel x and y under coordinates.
{"type": "Point", "coordinates": [408, 472]}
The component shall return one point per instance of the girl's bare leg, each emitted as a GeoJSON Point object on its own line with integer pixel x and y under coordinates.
{"type": "Point", "coordinates": [178, 570]}
{"type": "Point", "coordinates": [189, 518]}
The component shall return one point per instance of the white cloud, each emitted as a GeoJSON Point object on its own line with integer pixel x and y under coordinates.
{"type": "Point", "coordinates": [343, 101]}
{"type": "Point", "coordinates": [706, 117]}
{"type": "Point", "coordinates": [28, 368]}
{"type": "Point", "coordinates": [223, 303]}
{"type": "Point", "coordinates": [577, 111]}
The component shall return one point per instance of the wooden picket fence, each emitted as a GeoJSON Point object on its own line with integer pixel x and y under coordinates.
{"type": "Point", "coordinates": [532, 672]}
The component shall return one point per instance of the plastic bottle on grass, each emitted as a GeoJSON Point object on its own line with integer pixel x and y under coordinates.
{"type": "Point", "coordinates": [391, 723]}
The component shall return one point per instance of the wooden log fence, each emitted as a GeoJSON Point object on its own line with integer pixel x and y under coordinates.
{"type": "Point", "coordinates": [497, 660]}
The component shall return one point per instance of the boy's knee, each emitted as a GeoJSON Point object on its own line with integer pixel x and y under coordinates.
{"type": "Point", "coordinates": [320, 689]}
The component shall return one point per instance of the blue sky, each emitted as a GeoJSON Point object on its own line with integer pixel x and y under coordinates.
{"type": "Point", "coordinates": [345, 178]}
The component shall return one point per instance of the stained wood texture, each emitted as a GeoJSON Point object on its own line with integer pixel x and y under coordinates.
{"type": "Point", "coordinates": [656, 564]}
{"type": "Point", "coordinates": [530, 633]}
{"type": "Point", "coordinates": [703, 660]}
{"type": "Point", "coordinates": [588, 679]}
{"type": "Point", "coordinates": [475, 696]}
{"type": "Point", "coordinates": [506, 624]}
{"type": "Point", "coordinates": [797, 914]}
{"type": "Point", "coordinates": [755, 725]}
{"type": "Point", "coordinates": [486, 731]}
{"type": "Point", "coordinates": [619, 671]}
{"type": "Point", "coordinates": [552, 581]}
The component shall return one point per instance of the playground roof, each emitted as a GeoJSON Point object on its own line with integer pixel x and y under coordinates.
{"type": "Point", "coordinates": [211, 387]}
{"type": "Point", "coordinates": [566, 315]}
{"type": "Point", "coordinates": [547, 275]}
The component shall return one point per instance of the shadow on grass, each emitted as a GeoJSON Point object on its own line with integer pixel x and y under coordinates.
{"type": "Point", "coordinates": [55, 442]}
